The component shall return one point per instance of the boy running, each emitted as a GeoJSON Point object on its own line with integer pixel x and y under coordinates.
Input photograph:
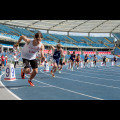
{"type": "Point", "coordinates": [62, 61]}
{"type": "Point", "coordinates": [94, 60]}
{"type": "Point", "coordinates": [115, 60]}
{"type": "Point", "coordinates": [86, 60]}
{"type": "Point", "coordinates": [78, 60]}
{"type": "Point", "coordinates": [72, 59]}
{"type": "Point", "coordinates": [28, 55]}
{"type": "Point", "coordinates": [57, 53]}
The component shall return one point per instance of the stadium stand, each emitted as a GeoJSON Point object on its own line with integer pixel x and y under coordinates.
{"type": "Point", "coordinates": [117, 35]}
{"type": "Point", "coordinates": [13, 32]}
{"type": "Point", "coordinates": [7, 30]}
{"type": "Point", "coordinates": [82, 45]}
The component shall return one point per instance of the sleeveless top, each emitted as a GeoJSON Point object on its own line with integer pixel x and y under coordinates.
{"type": "Point", "coordinates": [77, 59]}
{"type": "Point", "coordinates": [56, 54]}
{"type": "Point", "coordinates": [29, 51]}
{"type": "Point", "coordinates": [86, 57]}
{"type": "Point", "coordinates": [72, 57]}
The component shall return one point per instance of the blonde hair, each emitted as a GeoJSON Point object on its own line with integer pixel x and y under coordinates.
{"type": "Point", "coordinates": [58, 45]}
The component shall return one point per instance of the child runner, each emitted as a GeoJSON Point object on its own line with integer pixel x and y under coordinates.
{"type": "Point", "coordinates": [57, 52]}
{"type": "Point", "coordinates": [62, 60]}
{"type": "Point", "coordinates": [86, 60]}
{"type": "Point", "coordinates": [94, 60]}
{"type": "Point", "coordinates": [28, 55]}
{"type": "Point", "coordinates": [78, 60]}
{"type": "Point", "coordinates": [72, 59]}
{"type": "Point", "coordinates": [104, 60]}
{"type": "Point", "coordinates": [115, 60]}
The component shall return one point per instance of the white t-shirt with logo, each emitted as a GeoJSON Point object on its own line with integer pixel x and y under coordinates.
{"type": "Point", "coordinates": [29, 51]}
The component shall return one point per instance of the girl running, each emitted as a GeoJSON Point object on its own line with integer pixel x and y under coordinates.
{"type": "Point", "coordinates": [28, 55]}
{"type": "Point", "coordinates": [57, 53]}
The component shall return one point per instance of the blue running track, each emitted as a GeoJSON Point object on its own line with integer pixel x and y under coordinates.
{"type": "Point", "coordinates": [98, 83]}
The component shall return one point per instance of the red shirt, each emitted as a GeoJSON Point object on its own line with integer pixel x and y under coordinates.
{"type": "Point", "coordinates": [3, 58]}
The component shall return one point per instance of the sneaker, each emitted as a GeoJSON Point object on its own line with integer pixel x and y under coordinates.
{"type": "Point", "coordinates": [22, 74]}
{"type": "Point", "coordinates": [59, 71]}
{"type": "Point", "coordinates": [52, 74]}
{"type": "Point", "coordinates": [30, 82]}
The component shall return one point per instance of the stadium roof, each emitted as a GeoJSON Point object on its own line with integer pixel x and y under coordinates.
{"type": "Point", "coordinates": [81, 26]}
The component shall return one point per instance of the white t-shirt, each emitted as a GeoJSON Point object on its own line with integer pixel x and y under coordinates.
{"type": "Point", "coordinates": [15, 58]}
{"type": "Point", "coordinates": [29, 51]}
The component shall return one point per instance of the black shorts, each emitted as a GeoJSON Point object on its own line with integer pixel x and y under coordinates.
{"type": "Point", "coordinates": [104, 61]}
{"type": "Point", "coordinates": [86, 60]}
{"type": "Point", "coordinates": [28, 63]}
{"type": "Point", "coordinates": [61, 63]}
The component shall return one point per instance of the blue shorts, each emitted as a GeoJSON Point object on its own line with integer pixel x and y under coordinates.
{"type": "Point", "coordinates": [72, 60]}
{"type": "Point", "coordinates": [56, 61]}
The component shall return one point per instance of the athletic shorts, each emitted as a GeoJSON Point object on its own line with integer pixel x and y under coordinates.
{"type": "Point", "coordinates": [77, 60]}
{"type": "Point", "coordinates": [104, 61]}
{"type": "Point", "coordinates": [28, 63]}
{"type": "Point", "coordinates": [56, 61]}
{"type": "Point", "coordinates": [72, 60]}
{"type": "Point", "coordinates": [86, 60]}
{"type": "Point", "coordinates": [61, 63]}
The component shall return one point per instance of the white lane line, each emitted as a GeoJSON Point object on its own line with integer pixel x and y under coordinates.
{"type": "Point", "coordinates": [96, 73]}
{"type": "Point", "coordinates": [90, 76]}
{"type": "Point", "coordinates": [105, 68]}
{"type": "Point", "coordinates": [8, 89]}
{"type": "Point", "coordinates": [67, 89]}
{"type": "Point", "coordinates": [27, 87]}
{"type": "Point", "coordinates": [84, 82]}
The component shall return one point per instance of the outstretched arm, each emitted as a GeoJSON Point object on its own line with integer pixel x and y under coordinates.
{"type": "Point", "coordinates": [22, 38]}
{"type": "Point", "coordinates": [52, 47]}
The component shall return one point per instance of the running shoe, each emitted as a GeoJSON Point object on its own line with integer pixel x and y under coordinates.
{"type": "Point", "coordinates": [52, 74]}
{"type": "Point", "coordinates": [59, 71]}
{"type": "Point", "coordinates": [22, 74]}
{"type": "Point", "coordinates": [30, 82]}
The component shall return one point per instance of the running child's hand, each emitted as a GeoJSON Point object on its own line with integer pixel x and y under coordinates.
{"type": "Point", "coordinates": [16, 45]}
